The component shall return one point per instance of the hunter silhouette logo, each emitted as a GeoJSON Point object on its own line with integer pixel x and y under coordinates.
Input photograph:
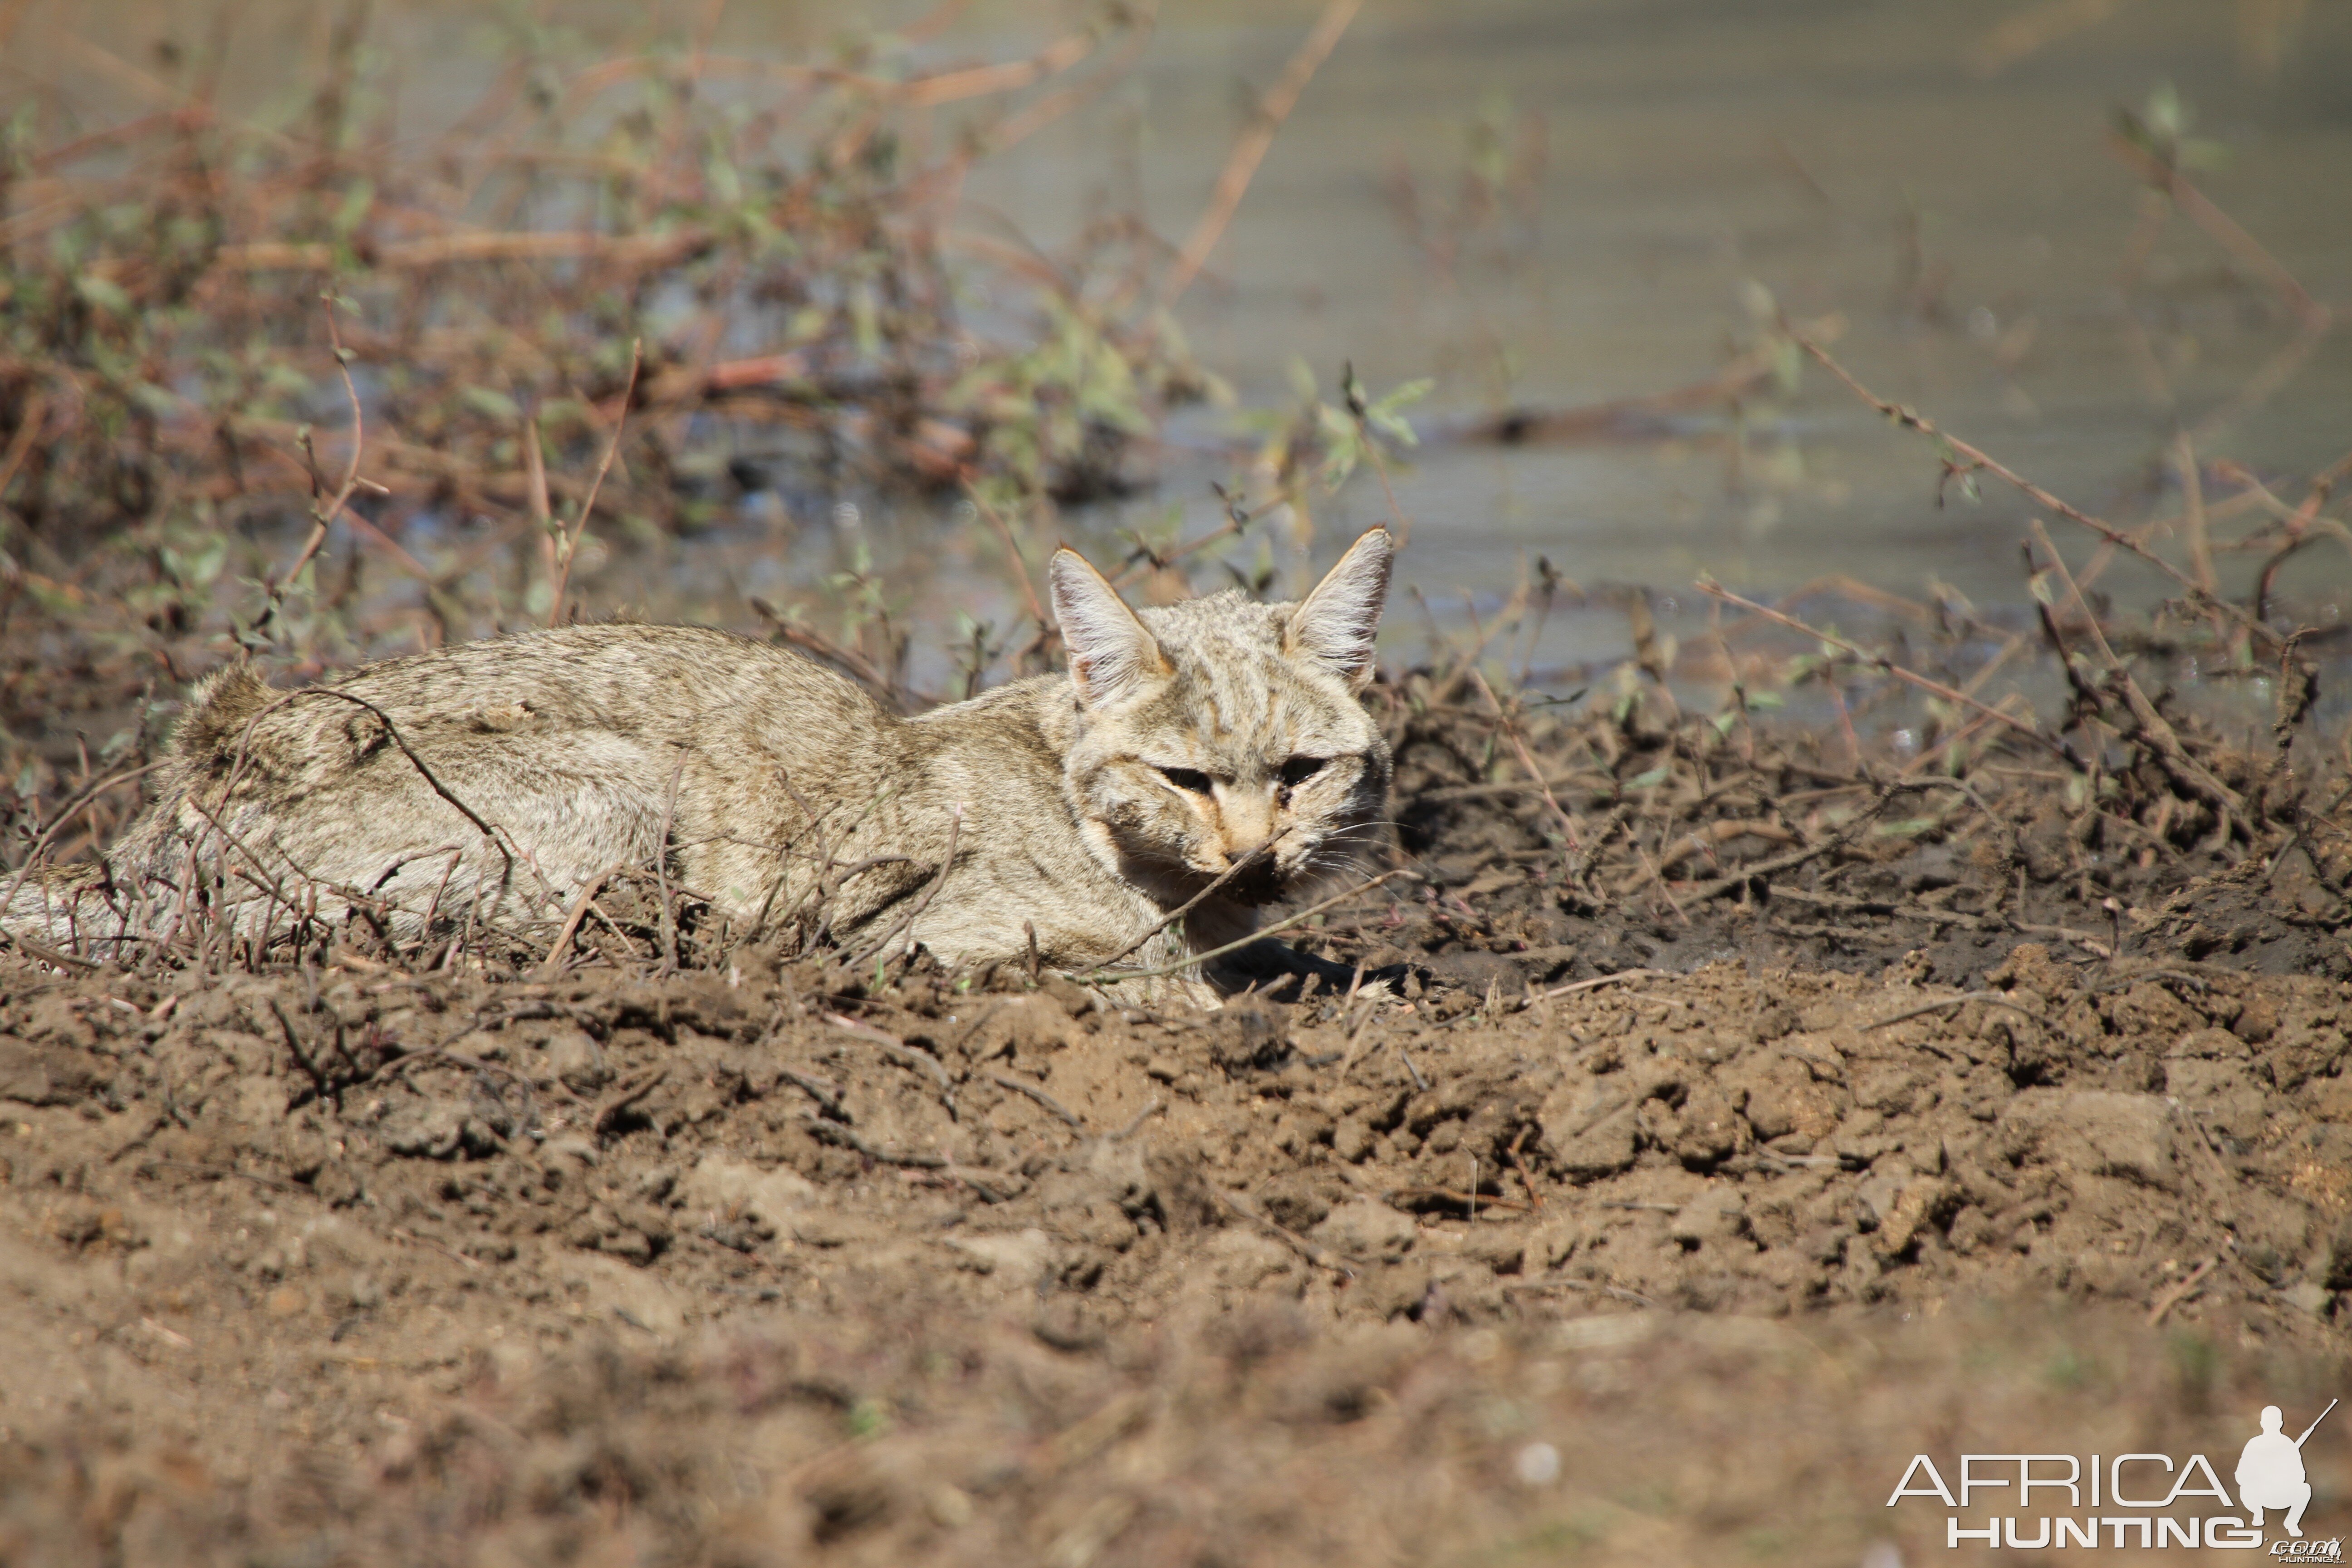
{"type": "Point", "coordinates": [2270, 1471]}
{"type": "Point", "coordinates": [2143, 1488]}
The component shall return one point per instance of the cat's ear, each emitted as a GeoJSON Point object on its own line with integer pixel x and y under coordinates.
{"type": "Point", "coordinates": [1111, 651]}
{"type": "Point", "coordinates": [1333, 625]}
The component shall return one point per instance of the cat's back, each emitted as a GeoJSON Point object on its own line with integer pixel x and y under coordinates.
{"type": "Point", "coordinates": [666, 682]}
{"type": "Point", "coordinates": [583, 700]}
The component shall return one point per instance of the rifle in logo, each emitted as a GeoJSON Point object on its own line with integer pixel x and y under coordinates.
{"type": "Point", "coordinates": [2270, 1471]}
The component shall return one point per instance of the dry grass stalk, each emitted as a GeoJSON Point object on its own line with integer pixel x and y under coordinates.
{"type": "Point", "coordinates": [1973, 459]}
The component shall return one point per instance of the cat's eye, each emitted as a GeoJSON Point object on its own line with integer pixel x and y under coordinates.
{"type": "Point", "coordinates": [1298, 770]}
{"type": "Point", "coordinates": [1191, 779]}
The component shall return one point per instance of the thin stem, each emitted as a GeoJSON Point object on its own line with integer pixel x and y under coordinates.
{"type": "Point", "coordinates": [588, 505]}
{"type": "Point", "coordinates": [907, 926]}
{"type": "Point", "coordinates": [323, 518]}
{"type": "Point", "coordinates": [1187, 907]}
{"type": "Point", "coordinates": [1519, 749]}
{"type": "Point", "coordinates": [1975, 458]}
{"type": "Point", "coordinates": [1104, 977]}
{"type": "Point", "coordinates": [1241, 166]}
{"type": "Point", "coordinates": [1708, 585]}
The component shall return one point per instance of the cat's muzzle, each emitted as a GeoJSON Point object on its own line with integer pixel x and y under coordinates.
{"type": "Point", "coordinates": [1259, 884]}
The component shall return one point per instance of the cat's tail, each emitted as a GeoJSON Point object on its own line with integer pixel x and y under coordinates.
{"type": "Point", "coordinates": [104, 908]}
{"type": "Point", "coordinates": [75, 908]}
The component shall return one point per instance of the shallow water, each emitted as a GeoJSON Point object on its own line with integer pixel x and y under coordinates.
{"type": "Point", "coordinates": [1697, 150]}
{"type": "Point", "coordinates": [1699, 162]}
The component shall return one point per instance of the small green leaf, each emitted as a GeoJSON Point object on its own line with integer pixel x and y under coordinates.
{"type": "Point", "coordinates": [491, 404]}
{"type": "Point", "coordinates": [866, 319]}
{"type": "Point", "coordinates": [357, 202]}
{"type": "Point", "coordinates": [159, 401]}
{"type": "Point", "coordinates": [1385, 416]}
{"type": "Point", "coordinates": [104, 293]}
{"type": "Point", "coordinates": [283, 380]}
{"type": "Point", "coordinates": [196, 568]}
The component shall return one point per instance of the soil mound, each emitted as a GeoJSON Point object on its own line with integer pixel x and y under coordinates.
{"type": "Point", "coordinates": [539, 1263]}
{"type": "Point", "coordinates": [1687, 1095]}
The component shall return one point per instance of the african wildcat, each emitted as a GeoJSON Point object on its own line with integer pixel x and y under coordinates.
{"type": "Point", "coordinates": [495, 780]}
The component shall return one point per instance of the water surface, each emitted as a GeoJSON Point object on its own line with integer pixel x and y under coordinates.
{"type": "Point", "coordinates": [1684, 167]}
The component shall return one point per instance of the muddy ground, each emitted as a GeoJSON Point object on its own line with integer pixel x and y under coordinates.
{"type": "Point", "coordinates": [1640, 1220]}
{"type": "Point", "coordinates": [1726, 1118]}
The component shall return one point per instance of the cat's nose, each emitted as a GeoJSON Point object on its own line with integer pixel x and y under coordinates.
{"type": "Point", "coordinates": [1247, 818]}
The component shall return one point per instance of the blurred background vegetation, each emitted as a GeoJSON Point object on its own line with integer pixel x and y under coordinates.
{"type": "Point", "coordinates": [320, 324]}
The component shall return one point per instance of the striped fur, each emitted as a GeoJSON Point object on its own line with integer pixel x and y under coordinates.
{"type": "Point", "coordinates": [491, 781]}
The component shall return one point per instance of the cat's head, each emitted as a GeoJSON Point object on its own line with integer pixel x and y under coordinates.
{"type": "Point", "coordinates": [1219, 727]}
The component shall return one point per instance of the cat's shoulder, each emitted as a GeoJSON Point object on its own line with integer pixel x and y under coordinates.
{"type": "Point", "coordinates": [1028, 719]}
